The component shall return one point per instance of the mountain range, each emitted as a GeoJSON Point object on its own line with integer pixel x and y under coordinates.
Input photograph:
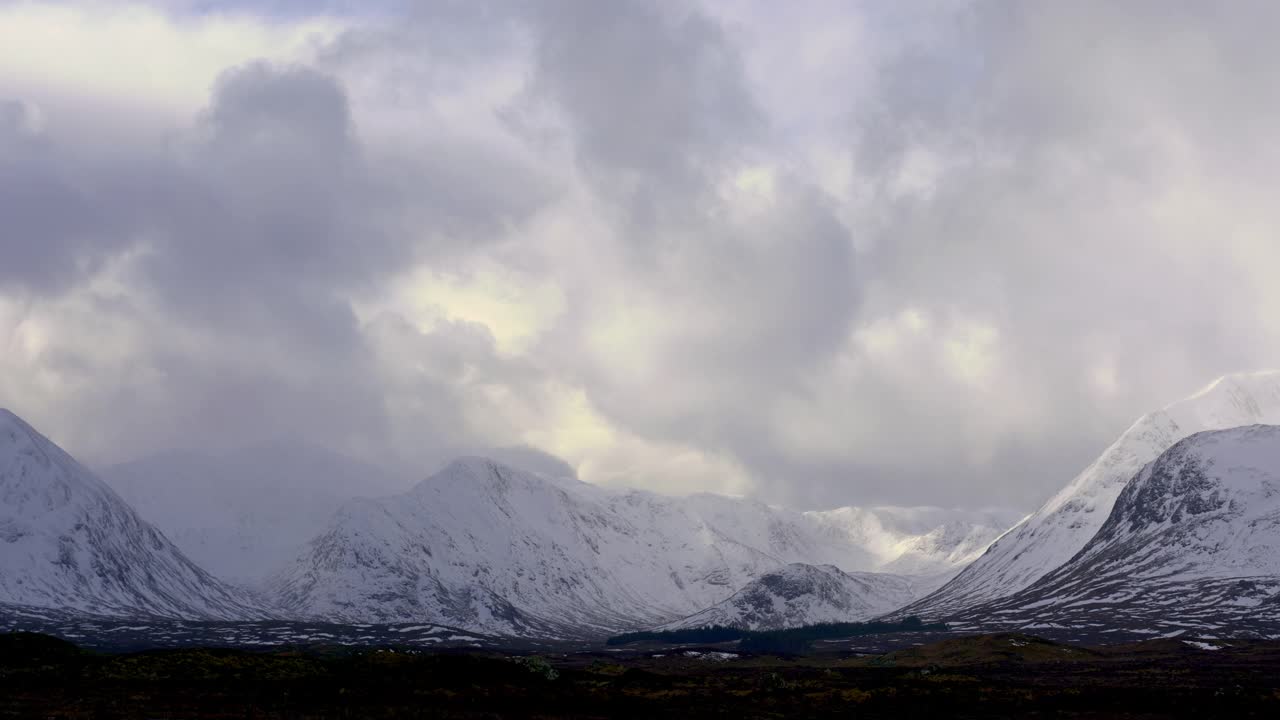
{"type": "Point", "coordinates": [495, 549]}
{"type": "Point", "coordinates": [1174, 528]}
{"type": "Point", "coordinates": [479, 546]}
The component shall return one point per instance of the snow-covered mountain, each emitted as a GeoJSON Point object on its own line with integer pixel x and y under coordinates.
{"type": "Point", "coordinates": [67, 541]}
{"type": "Point", "coordinates": [797, 594]}
{"type": "Point", "coordinates": [244, 513]}
{"type": "Point", "coordinates": [1053, 534]}
{"type": "Point", "coordinates": [494, 549]}
{"type": "Point", "coordinates": [1191, 545]}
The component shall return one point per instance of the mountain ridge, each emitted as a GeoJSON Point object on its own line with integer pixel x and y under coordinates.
{"type": "Point", "coordinates": [1192, 545]}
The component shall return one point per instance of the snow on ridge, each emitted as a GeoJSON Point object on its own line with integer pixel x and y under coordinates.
{"type": "Point", "coordinates": [1065, 523]}
{"type": "Point", "coordinates": [1192, 542]}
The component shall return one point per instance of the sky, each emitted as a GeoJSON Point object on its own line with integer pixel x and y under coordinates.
{"type": "Point", "coordinates": [820, 253]}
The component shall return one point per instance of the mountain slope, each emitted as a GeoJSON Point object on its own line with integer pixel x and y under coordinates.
{"type": "Point", "coordinates": [494, 549]}
{"type": "Point", "coordinates": [67, 541]}
{"type": "Point", "coordinates": [243, 514]}
{"type": "Point", "coordinates": [1191, 545]}
{"type": "Point", "coordinates": [1061, 527]}
{"type": "Point", "coordinates": [797, 594]}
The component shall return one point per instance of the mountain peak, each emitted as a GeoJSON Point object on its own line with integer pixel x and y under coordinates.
{"type": "Point", "coordinates": [481, 473]}
{"type": "Point", "coordinates": [474, 465]}
{"type": "Point", "coordinates": [34, 472]}
{"type": "Point", "coordinates": [1249, 381]}
{"type": "Point", "coordinates": [477, 472]}
{"type": "Point", "coordinates": [11, 422]}
{"type": "Point", "coordinates": [1229, 401]}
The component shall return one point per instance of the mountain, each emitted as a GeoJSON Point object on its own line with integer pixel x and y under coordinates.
{"type": "Point", "coordinates": [1192, 545]}
{"type": "Point", "coordinates": [242, 514]}
{"type": "Point", "coordinates": [1053, 534]}
{"type": "Point", "coordinates": [494, 549]}
{"type": "Point", "coordinates": [798, 594]}
{"type": "Point", "coordinates": [67, 541]}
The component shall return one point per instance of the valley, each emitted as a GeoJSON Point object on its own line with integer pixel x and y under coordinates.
{"type": "Point", "coordinates": [994, 676]}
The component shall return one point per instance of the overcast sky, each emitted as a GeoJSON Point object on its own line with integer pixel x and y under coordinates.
{"type": "Point", "coordinates": [822, 253]}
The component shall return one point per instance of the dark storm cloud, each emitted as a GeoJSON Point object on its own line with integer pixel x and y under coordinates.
{"type": "Point", "coordinates": [54, 233]}
{"type": "Point", "coordinates": [654, 96]}
{"type": "Point", "coordinates": [662, 122]}
{"type": "Point", "coordinates": [264, 217]}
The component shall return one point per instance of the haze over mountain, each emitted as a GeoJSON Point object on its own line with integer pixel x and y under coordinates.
{"type": "Point", "coordinates": [1058, 530]}
{"type": "Point", "coordinates": [242, 514]}
{"type": "Point", "coordinates": [68, 542]}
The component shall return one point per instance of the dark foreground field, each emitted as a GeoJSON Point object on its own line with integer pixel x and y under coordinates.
{"type": "Point", "coordinates": [980, 676]}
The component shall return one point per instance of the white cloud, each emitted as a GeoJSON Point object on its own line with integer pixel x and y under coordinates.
{"type": "Point", "coordinates": [515, 308]}
{"type": "Point", "coordinates": [137, 55]}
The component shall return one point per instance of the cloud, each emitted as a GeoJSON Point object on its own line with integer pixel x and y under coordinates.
{"type": "Point", "coordinates": [652, 97]}
{"type": "Point", "coordinates": [733, 276]}
{"type": "Point", "coordinates": [129, 54]}
{"type": "Point", "coordinates": [868, 253]}
{"type": "Point", "coordinates": [49, 220]}
{"type": "Point", "coordinates": [1080, 209]}
{"type": "Point", "coordinates": [200, 285]}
